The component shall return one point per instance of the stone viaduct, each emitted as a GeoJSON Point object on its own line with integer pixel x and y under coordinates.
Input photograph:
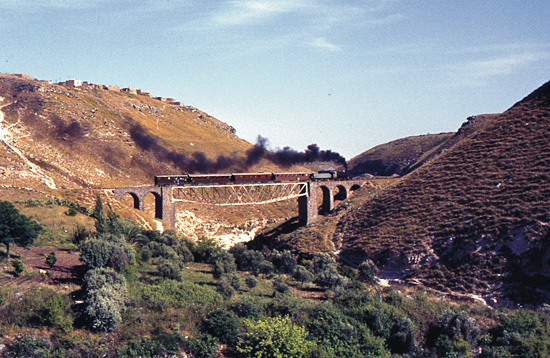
{"type": "Point", "coordinates": [319, 200]}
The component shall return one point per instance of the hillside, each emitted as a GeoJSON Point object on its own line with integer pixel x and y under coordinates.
{"type": "Point", "coordinates": [475, 219]}
{"type": "Point", "coordinates": [404, 155]}
{"type": "Point", "coordinates": [72, 142]}
{"type": "Point", "coordinates": [396, 156]}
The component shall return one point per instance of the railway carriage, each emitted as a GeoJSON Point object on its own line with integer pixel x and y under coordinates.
{"type": "Point", "coordinates": [243, 177]}
{"type": "Point", "coordinates": [209, 178]}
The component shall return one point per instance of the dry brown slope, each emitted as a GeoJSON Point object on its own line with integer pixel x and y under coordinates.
{"type": "Point", "coordinates": [475, 218]}
{"type": "Point", "coordinates": [396, 156]}
{"type": "Point", "coordinates": [81, 137]}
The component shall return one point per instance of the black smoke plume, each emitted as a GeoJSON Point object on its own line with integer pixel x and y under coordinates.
{"type": "Point", "coordinates": [198, 162]}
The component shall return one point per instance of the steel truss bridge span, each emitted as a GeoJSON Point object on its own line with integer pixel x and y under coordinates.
{"type": "Point", "coordinates": [239, 194]}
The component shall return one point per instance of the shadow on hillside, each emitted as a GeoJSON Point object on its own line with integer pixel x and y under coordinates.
{"type": "Point", "coordinates": [268, 238]}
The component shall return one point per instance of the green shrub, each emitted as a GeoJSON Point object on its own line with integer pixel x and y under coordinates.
{"type": "Point", "coordinates": [251, 281]}
{"type": "Point", "coordinates": [284, 261]}
{"type": "Point", "coordinates": [106, 251]}
{"type": "Point", "coordinates": [338, 334]}
{"type": "Point", "coordinates": [29, 346]}
{"type": "Point", "coordinates": [279, 285]}
{"type": "Point", "coordinates": [71, 212]}
{"type": "Point", "coordinates": [79, 235]}
{"type": "Point", "coordinates": [368, 272]}
{"type": "Point", "coordinates": [522, 333]}
{"type": "Point", "coordinates": [246, 260]}
{"type": "Point", "coordinates": [276, 337]}
{"type": "Point", "coordinates": [323, 262]}
{"type": "Point", "coordinates": [161, 345]}
{"type": "Point", "coordinates": [203, 346]}
{"type": "Point", "coordinates": [51, 259]}
{"type": "Point", "coordinates": [266, 267]}
{"type": "Point", "coordinates": [170, 269]}
{"type": "Point", "coordinates": [223, 325]}
{"type": "Point", "coordinates": [302, 274]}
{"type": "Point", "coordinates": [18, 266]}
{"type": "Point", "coordinates": [455, 333]}
{"type": "Point", "coordinates": [204, 249]}
{"type": "Point", "coordinates": [177, 294]}
{"type": "Point", "coordinates": [330, 278]}
{"type": "Point", "coordinates": [223, 262]}
{"type": "Point", "coordinates": [106, 298]}
{"type": "Point", "coordinates": [56, 312]}
{"type": "Point", "coordinates": [224, 287]}
{"type": "Point", "coordinates": [248, 307]}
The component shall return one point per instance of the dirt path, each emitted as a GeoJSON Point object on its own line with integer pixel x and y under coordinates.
{"type": "Point", "coordinates": [36, 269]}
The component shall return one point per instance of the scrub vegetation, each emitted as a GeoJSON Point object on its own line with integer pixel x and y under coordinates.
{"type": "Point", "coordinates": [150, 294]}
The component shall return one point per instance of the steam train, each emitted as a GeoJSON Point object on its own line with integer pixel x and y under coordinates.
{"type": "Point", "coordinates": [165, 180]}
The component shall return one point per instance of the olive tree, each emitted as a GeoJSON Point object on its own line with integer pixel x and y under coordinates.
{"type": "Point", "coordinates": [16, 228]}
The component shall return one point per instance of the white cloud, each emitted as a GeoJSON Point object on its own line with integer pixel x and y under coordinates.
{"type": "Point", "coordinates": [244, 12]}
{"type": "Point", "coordinates": [324, 44]}
{"type": "Point", "coordinates": [477, 72]}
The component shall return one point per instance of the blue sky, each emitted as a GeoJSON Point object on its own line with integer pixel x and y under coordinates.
{"type": "Point", "coordinates": [346, 75]}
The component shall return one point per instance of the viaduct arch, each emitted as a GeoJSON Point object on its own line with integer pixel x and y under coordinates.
{"type": "Point", "coordinates": [320, 193]}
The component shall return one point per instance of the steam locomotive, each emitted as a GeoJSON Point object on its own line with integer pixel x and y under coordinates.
{"type": "Point", "coordinates": [165, 180]}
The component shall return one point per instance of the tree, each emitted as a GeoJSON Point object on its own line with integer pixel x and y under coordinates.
{"type": "Point", "coordinates": [98, 215]}
{"type": "Point", "coordinates": [276, 337]}
{"type": "Point", "coordinates": [368, 272]}
{"type": "Point", "coordinates": [106, 298]}
{"type": "Point", "coordinates": [16, 228]}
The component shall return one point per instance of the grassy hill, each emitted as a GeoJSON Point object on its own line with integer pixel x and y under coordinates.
{"type": "Point", "coordinates": [66, 142]}
{"type": "Point", "coordinates": [396, 156]}
{"type": "Point", "coordinates": [476, 218]}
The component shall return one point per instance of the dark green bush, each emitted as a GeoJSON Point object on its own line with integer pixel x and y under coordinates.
{"type": "Point", "coordinates": [368, 272]}
{"type": "Point", "coordinates": [29, 346]}
{"type": "Point", "coordinates": [246, 260]}
{"type": "Point", "coordinates": [223, 262]}
{"type": "Point", "coordinates": [203, 346]}
{"type": "Point", "coordinates": [323, 262]}
{"type": "Point", "coordinates": [224, 286]}
{"type": "Point", "coordinates": [18, 266]}
{"type": "Point", "coordinates": [71, 212]}
{"type": "Point", "coordinates": [170, 269]}
{"type": "Point", "coordinates": [80, 234]}
{"type": "Point", "coordinates": [56, 312]}
{"type": "Point", "coordinates": [455, 333]}
{"type": "Point", "coordinates": [223, 325]}
{"type": "Point", "coordinates": [279, 285]}
{"type": "Point", "coordinates": [251, 281]}
{"type": "Point", "coordinates": [283, 261]}
{"type": "Point", "coordinates": [248, 307]}
{"type": "Point", "coordinates": [302, 274]}
{"type": "Point", "coordinates": [106, 298]}
{"type": "Point", "coordinates": [51, 259]}
{"type": "Point", "coordinates": [522, 333]}
{"type": "Point", "coordinates": [266, 267]}
{"type": "Point", "coordinates": [161, 345]}
{"type": "Point", "coordinates": [106, 251]}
